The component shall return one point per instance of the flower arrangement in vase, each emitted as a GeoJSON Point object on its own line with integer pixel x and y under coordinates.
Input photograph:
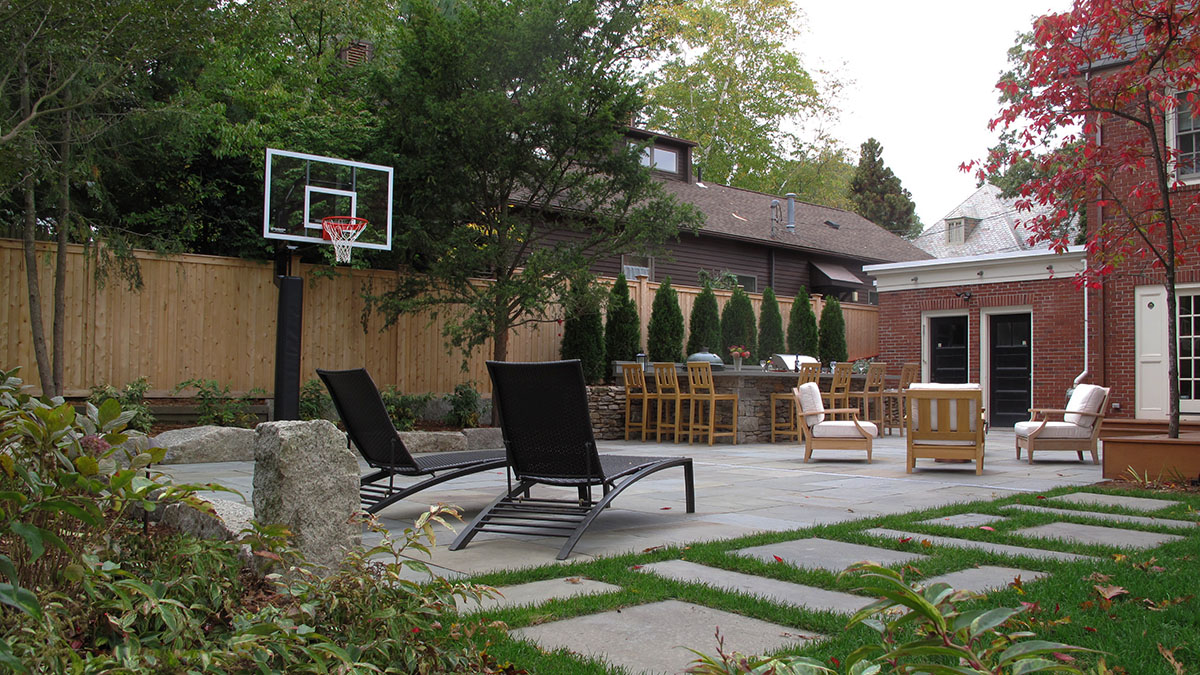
{"type": "Point", "coordinates": [738, 352]}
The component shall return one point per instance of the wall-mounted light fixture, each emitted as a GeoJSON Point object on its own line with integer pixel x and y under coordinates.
{"type": "Point", "coordinates": [914, 280]}
{"type": "Point", "coordinates": [965, 295]}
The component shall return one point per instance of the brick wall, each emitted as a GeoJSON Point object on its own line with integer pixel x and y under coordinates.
{"type": "Point", "coordinates": [1113, 310]}
{"type": "Point", "coordinates": [1057, 328]}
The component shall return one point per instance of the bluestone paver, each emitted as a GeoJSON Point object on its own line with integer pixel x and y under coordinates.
{"type": "Point", "coordinates": [827, 554]}
{"type": "Point", "coordinates": [654, 638]}
{"type": "Point", "coordinates": [777, 591]}
{"type": "Point", "coordinates": [983, 578]}
{"type": "Point", "coordinates": [537, 592]}
{"type": "Point", "coordinates": [1095, 534]}
{"type": "Point", "coordinates": [965, 520]}
{"type": "Point", "coordinates": [1002, 549]}
{"type": "Point", "coordinates": [1115, 517]}
{"type": "Point", "coordinates": [1095, 499]}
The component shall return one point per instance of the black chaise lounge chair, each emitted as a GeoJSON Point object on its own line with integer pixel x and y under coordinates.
{"type": "Point", "coordinates": [370, 429]}
{"type": "Point", "coordinates": [548, 436]}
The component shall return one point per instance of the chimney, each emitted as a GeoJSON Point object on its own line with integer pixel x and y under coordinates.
{"type": "Point", "coordinates": [791, 211]}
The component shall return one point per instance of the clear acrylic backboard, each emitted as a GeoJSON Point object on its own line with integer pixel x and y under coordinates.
{"type": "Point", "coordinates": [301, 189]}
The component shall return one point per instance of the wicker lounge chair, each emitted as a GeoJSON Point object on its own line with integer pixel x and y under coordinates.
{"type": "Point", "coordinates": [370, 429]}
{"type": "Point", "coordinates": [548, 436]}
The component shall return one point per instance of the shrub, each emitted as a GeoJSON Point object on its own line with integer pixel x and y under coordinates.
{"type": "Point", "coordinates": [464, 406]}
{"type": "Point", "coordinates": [802, 326]}
{"type": "Point", "coordinates": [88, 589]}
{"type": "Point", "coordinates": [832, 343]}
{"type": "Point", "coordinates": [315, 402]}
{"type": "Point", "coordinates": [132, 398]}
{"type": "Point", "coordinates": [770, 326]}
{"type": "Point", "coordinates": [665, 332]}
{"type": "Point", "coordinates": [404, 409]}
{"type": "Point", "coordinates": [583, 332]}
{"type": "Point", "coordinates": [704, 325]}
{"type": "Point", "coordinates": [218, 407]}
{"type": "Point", "coordinates": [737, 324]}
{"type": "Point", "coordinates": [622, 325]}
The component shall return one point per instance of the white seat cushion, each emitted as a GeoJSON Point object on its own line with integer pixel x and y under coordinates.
{"type": "Point", "coordinates": [937, 385]}
{"type": "Point", "coordinates": [843, 429]}
{"type": "Point", "coordinates": [1054, 430]}
{"type": "Point", "coordinates": [811, 407]}
{"type": "Point", "coordinates": [1085, 398]}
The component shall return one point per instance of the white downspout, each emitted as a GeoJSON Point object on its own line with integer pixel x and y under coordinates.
{"type": "Point", "coordinates": [1086, 326]}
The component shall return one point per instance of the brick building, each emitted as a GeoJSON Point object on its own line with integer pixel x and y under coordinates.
{"type": "Point", "coordinates": [1013, 322]}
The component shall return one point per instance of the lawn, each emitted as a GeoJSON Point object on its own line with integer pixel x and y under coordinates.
{"type": "Point", "coordinates": [1137, 609]}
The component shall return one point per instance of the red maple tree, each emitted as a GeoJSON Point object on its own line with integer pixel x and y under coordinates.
{"type": "Point", "coordinates": [1088, 106]}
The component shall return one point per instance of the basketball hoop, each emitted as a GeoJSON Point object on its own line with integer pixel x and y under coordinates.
{"type": "Point", "coordinates": [342, 231]}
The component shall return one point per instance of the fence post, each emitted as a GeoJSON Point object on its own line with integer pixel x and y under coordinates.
{"type": "Point", "coordinates": [641, 297]}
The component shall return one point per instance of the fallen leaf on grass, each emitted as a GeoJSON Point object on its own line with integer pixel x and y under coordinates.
{"type": "Point", "coordinates": [985, 527]}
{"type": "Point", "coordinates": [905, 540]}
{"type": "Point", "coordinates": [574, 580]}
{"type": "Point", "coordinates": [1169, 655]}
{"type": "Point", "coordinates": [636, 567]}
{"type": "Point", "coordinates": [1041, 496]}
{"type": "Point", "coordinates": [777, 558]}
{"type": "Point", "coordinates": [1098, 577]}
{"type": "Point", "coordinates": [926, 543]}
{"type": "Point", "coordinates": [1089, 629]}
{"type": "Point", "coordinates": [653, 548]}
{"type": "Point", "coordinates": [1109, 592]}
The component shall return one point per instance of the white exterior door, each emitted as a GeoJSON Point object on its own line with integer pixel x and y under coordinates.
{"type": "Point", "coordinates": [1150, 346]}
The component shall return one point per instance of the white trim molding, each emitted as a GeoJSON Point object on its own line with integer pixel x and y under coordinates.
{"type": "Point", "coordinates": [993, 268]}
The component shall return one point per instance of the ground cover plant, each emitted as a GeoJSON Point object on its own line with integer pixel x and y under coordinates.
{"type": "Point", "coordinates": [1136, 612]}
{"type": "Point", "coordinates": [88, 584]}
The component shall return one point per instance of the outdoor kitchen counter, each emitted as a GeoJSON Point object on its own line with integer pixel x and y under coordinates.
{"type": "Point", "coordinates": [754, 388]}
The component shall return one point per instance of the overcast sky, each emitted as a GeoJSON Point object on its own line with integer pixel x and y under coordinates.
{"type": "Point", "coordinates": [924, 77]}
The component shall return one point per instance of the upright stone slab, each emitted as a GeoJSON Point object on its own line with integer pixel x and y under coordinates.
{"type": "Point", "coordinates": [307, 479]}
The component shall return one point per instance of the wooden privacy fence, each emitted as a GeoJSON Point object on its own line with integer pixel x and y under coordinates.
{"type": "Point", "coordinates": [213, 318]}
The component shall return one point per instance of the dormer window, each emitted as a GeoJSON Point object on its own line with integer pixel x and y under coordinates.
{"type": "Point", "coordinates": [956, 230]}
{"type": "Point", "coordinates": [661, 159]}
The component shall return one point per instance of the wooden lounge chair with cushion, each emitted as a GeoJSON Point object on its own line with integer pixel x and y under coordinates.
{"type": "Point", "coordinates": [808, 372]}
{"type": "Point", "coordinates": [370, 430]}
{"type": "Point", "coordinates": [1078, 431]}
{"type": "Point", "coordinates": [822, 434]}
{"type": "Point", "coordinates": [945, 421]}
{"type": "Point", "coordinates": [548, 437]}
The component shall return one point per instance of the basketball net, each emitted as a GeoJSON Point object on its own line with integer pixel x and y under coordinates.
{"type": "Point", "coordinates": [342, 231]}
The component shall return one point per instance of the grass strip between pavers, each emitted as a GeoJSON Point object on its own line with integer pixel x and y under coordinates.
{"type": "Point", "coordinates": [1160, 605]}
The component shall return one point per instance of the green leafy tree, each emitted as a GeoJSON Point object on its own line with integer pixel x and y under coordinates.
{"type": "Point", "coordinates": [738, 325]}
{"type": "Point", "coordinates": [622, 325]}
{"type": "Point", "coordinates": [704, 325]}
{"type": "Point", "coordinates": [664, 335]}
{"type": "Point", "coordinates": [832, 343]}
{"type": "Point", "coordinates": [583, 331]}
{"type": "Point", "coordinates": [506, 116]}
{"type": "Point", "coordinates": [878, 195]}
{"type": "Point", "coordinates": [735, 83]}
{"type": "Point", "coordinates": [770, 326]}
{"type": "Point", "coordinates": [802, 326]}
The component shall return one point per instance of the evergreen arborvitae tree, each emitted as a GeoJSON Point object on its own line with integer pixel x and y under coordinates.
{"type": "Point", "coordinates": [664, 335]}
{"type": "Point", "coordinates": [583, 332]}
{"type": "Point", "coordinates": [878, 195]}
{"type": "Point", "coordinates": [705, 323]}
{"type": "Point", "coordinates": [802, 326]}
{"type": "Point", "coordinates": [833, 333]}
{"type": "Point", "coordinates": [738, 326]}
{"type": "Point", "coordinates": [622, 327]}
{"type": "Point", "coordinates": [770, 326]}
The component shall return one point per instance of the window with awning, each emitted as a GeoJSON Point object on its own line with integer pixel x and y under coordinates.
{"type": "Point", "coordinates": [833, 274]}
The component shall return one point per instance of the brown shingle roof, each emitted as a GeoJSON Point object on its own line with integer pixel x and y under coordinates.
{"type": "Point", "coordinates": [734, 213]}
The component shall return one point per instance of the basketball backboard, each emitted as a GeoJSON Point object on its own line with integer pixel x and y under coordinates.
{"type": "Point", "coordinates": [301, 189]}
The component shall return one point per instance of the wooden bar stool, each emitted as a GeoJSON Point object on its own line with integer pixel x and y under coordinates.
{"type": "Point", "coordinates": [894, 398]}
{"type": "Point", "coordinates": [636, 391]}
{"type": "Point", "coordinates": [838, 395]}
{"type": "Point", "coordinates": [872, 393]}
{"type": "Point", "coordinates": [701, 391]}
{"type": "Point", "coordinates": [670, 397]}
{"type": "Point", "coordinates": [809, 372]}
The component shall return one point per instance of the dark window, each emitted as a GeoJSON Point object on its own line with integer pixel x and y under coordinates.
{"type": "Point", "coordinates": [1187, 136]}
